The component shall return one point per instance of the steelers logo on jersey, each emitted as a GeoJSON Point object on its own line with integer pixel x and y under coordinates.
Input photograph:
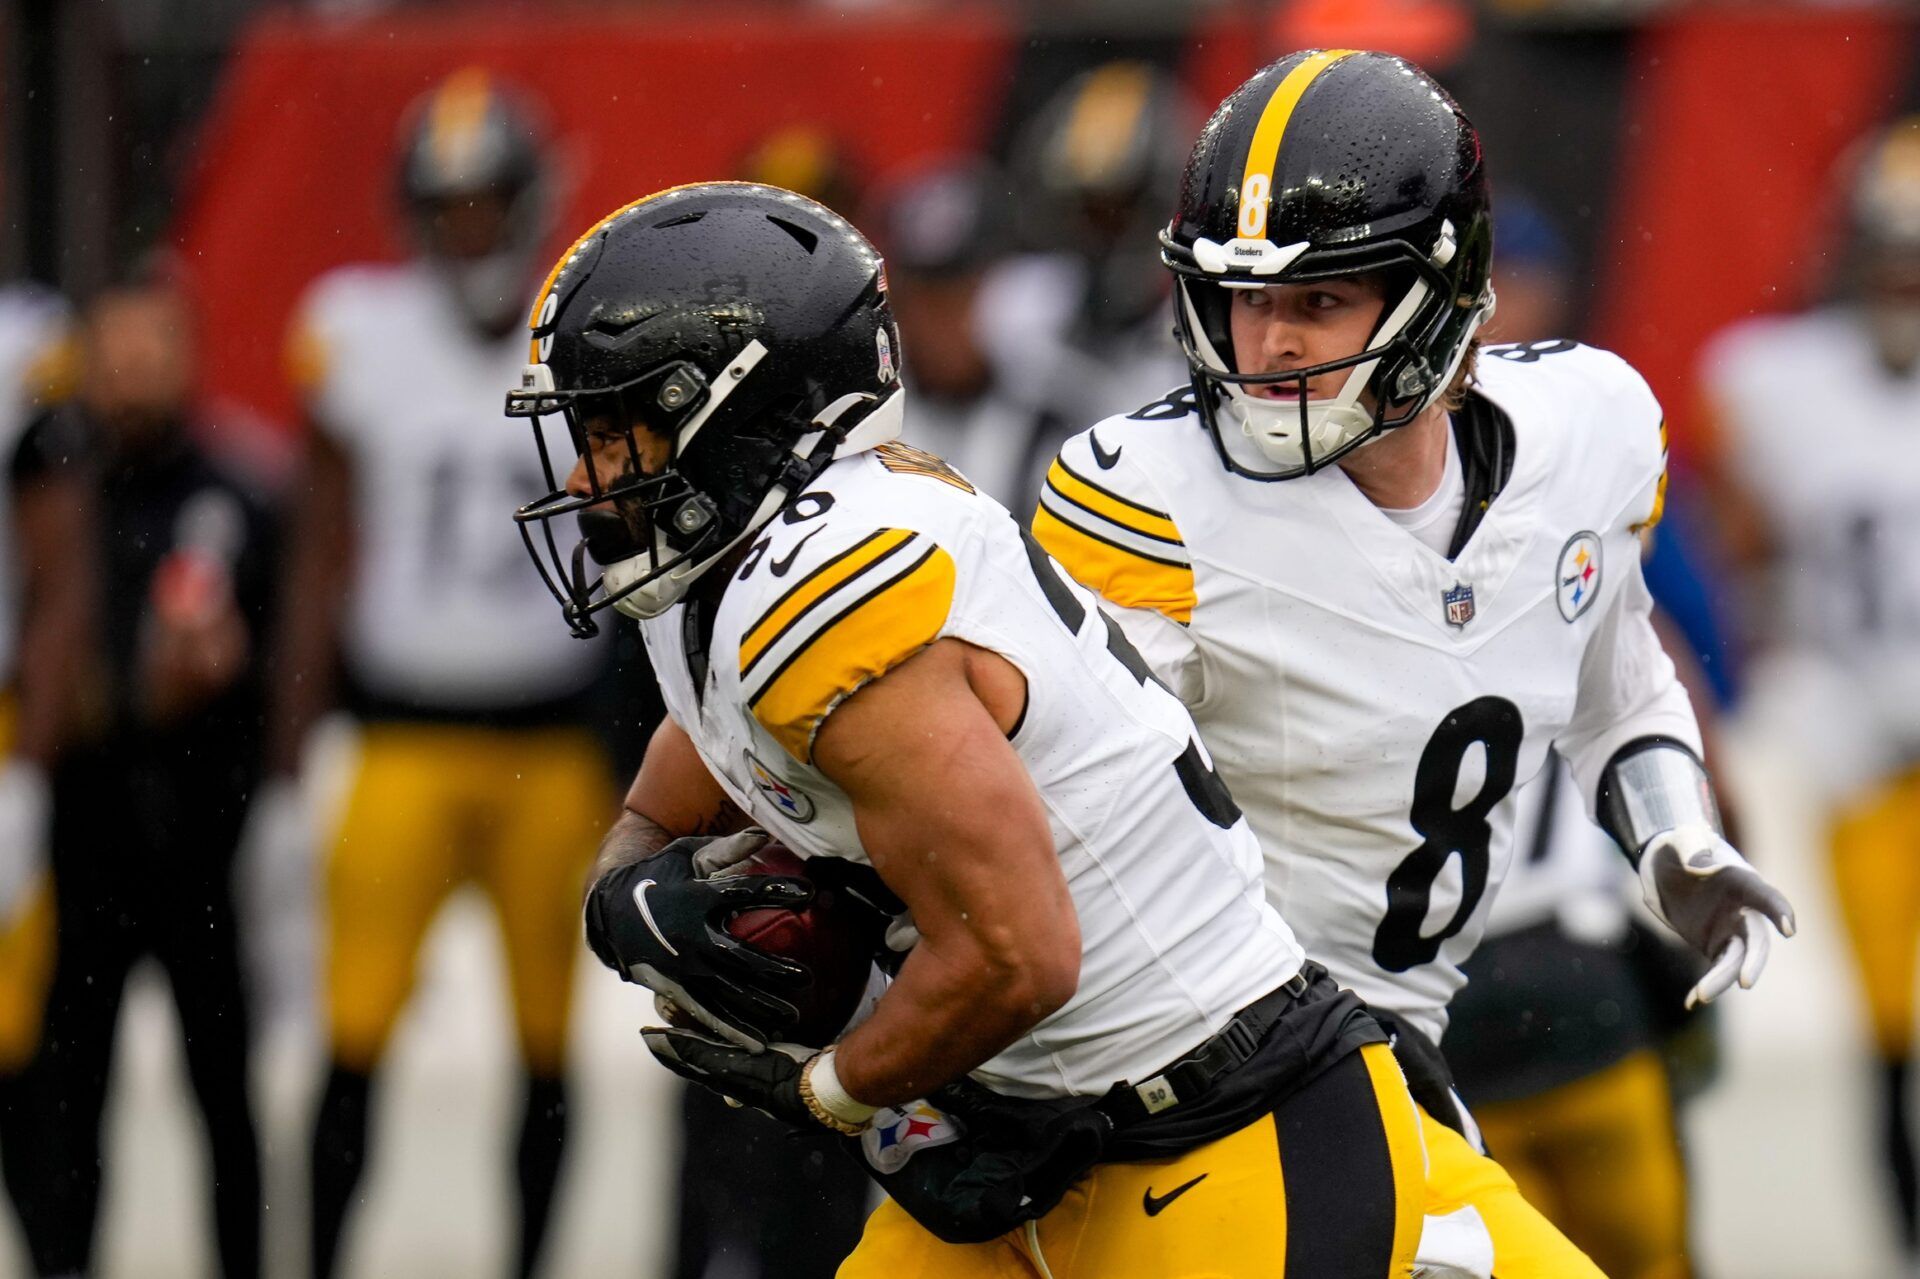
{"type": "Point", "coordinates": [1577, 579]}
{"type": "Point", "coordinates": [791, 801]}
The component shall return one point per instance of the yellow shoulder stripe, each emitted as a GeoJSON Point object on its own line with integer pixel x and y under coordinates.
{"type": "Point", "coordinates": [1131, 516]}
{"type": "Point", "coordinates": [1123, 576]}
{"type": "Point", "coordinates": [873, 635]}
{"type": "Point", "coordinates": [816, 586]}
{"type": "Point", "coordinates": [1659, 490]}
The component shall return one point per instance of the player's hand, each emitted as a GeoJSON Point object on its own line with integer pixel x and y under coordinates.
{"type": "Point", "coordinates": [659, 923]}
{"type": "Point", "coordinates": [26, 817]}
{"type": "Point", "coordinates": [1701, 887]}
{"type": "Point", "coordinates": [767, 1080]}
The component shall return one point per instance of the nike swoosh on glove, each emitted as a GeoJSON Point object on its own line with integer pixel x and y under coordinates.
{"type": "Point", "coordinates": [658, 923]}
{"type": "Point", "coordinates": [768, 1080]}
{"type": "Point", "coordinates": [1702, 888]}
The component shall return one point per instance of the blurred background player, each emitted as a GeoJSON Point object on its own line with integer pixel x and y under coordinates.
{"type": "Point", "coordinates": [942, 231]}
{"type": "Point", "coordinates": [1081, 325]}
{"type": "Point", "coordinates": [46, 599]}
{"type": "Point", "coordinates": [1820, 471]}
{"type": "Point", "coordinates": [151, 796]}
{"type": "Point", "coordinates": [412, 605]}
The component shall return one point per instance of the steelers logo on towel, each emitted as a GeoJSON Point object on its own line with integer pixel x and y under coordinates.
{"type": "Point", "coordinates": [1577, 580]}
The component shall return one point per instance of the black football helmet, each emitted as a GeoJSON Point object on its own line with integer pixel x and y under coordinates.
{"type": "Point", "coordinates": [1331, 163]}
{"type": "Point", "coordinates": [1880, 269]}
{"type": "Point", "coordinates": [477, 192]}
{"type": "Point", "coordinates": [745, 325]}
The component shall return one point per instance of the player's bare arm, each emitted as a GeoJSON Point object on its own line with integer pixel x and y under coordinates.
{"type": "Point", "coordinates": [953, 824]}
{"type": "Point", "coordinates": [673, 795]}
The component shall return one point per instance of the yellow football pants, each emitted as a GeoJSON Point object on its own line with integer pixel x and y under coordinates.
{"type": "Point", "coordinates": [1876, 868]}
{"type": "Point", "coordinates": [26, 952]}
{"type": "Point", "coordinates": [1600, 1158]}
{"type": "Point", "coordinates": [1328, 1187]}
{"type": "Point", "coordinates": [433, 806]}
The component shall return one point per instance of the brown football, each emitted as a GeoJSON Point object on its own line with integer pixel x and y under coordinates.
{"type": "Point", "coordinates": [832, 937]}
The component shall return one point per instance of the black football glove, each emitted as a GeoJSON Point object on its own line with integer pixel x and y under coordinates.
{"type": "Point", "coordinates": [656, 922]}
{"type": "Point", "coordinates": [768, 1080]}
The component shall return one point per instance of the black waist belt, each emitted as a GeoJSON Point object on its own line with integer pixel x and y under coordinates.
{"type": "Point", "coordinates": [1190, 1078]}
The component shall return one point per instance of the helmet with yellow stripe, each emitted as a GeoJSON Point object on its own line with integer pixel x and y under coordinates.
{"type": "Point", "coordinates": [478, 192]}
{"type": "Point", "coordinates": [744, 327]}
{"type": "Point", "coordinates": [1331, 164]}
{"type": "Point", "coordinates": [1881, 266]}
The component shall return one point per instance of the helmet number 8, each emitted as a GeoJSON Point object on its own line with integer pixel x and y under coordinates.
{"type": "Point", "coordinates": [1492, 722]}
{"type": "Point", "coordinates": [1253, 206]}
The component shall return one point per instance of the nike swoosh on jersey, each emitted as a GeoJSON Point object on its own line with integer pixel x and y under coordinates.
{"type": "Point", "coordinates": [780, 566]}
{"type": "Point", "coordinates": [1156, 1204]}
{"type": "Point", "coordinates": [646, 915]}
{"type": "Point", "coordinates": [1105, 460]}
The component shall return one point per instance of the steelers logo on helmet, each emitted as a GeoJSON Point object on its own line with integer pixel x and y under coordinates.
{"type": "Point", "coordinates": [1330, 164]}
{"type": "Point", "coordinates": [732, 329]}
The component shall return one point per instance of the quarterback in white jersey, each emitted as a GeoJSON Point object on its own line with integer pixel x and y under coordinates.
{"type": "Point", "coordinates": [1372, 702]}
{"type": "Point", "coordinates": [865, 657]}
{"type": "Point", "coordinates": [1385, 584]}
{"type": "Point", "coordinates": [1817, 415]}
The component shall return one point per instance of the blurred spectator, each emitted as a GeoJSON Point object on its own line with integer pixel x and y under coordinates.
{"type": "Point", "coordinates": [46, 596]}
{"type": "Point", "coordinates": [1080, 328]}
{"type": "Point", "coordinates": [1816, 415]}
{"type": "Point", "coordinates": [941, 231]}
{"type": "Point", "coordinates": [149, 801]}
{"type": "Point", "coordinates": [411, 603]}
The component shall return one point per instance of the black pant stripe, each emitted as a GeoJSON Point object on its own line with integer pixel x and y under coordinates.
{"type": "Point", "coordinates": [1338, 1174]}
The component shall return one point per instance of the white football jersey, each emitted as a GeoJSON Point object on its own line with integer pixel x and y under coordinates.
{"type": "Point", "coordinates": [33, 350]}
{"type": "Point", "coordinates": [1563, 866]}
{"type": "Point", "coordinates": [446, 606]}
{"type": "Point", "coordinates": [890, 550]}
{"type": "Point", "coordinates": [1372, 704]}
{"type": "Point", "coordinates": [1829, 441]}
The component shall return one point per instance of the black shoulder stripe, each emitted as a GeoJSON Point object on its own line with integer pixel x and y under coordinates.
{"type": "Point", "coordinates": [826, 627]}
{"type": "Point", "coordinates": [1107, 492]}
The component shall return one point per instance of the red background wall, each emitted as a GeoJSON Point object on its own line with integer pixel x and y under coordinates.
{"type": "Point", "coordinates": [1735, 118]}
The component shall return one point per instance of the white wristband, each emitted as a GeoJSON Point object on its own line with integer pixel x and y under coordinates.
{"type": "Point", "coordinates": [833, 1096]}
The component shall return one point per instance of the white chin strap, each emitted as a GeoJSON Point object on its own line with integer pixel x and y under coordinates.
{"type": "Point", "coordinates": [1274, 426]}
{"type": "Point", "coordinates": [653, 598]}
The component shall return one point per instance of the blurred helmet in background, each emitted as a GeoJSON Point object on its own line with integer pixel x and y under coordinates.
{"type": "Point", "coordinates": [745, 326]}
{"type": "Point", "coordinates": [478, 194]}
{"type": "Point", "coordinates": [1882, 263]}
{"type": "Point", "coordinates": [806, 159]}
{"type": "Point", "coordinates": [1097, 166]}
{"type": "Point", "coordinates": [1332, 163]}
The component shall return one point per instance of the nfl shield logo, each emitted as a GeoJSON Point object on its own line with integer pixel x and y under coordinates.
{"type": "Point", "coordinates": [1459, 602]}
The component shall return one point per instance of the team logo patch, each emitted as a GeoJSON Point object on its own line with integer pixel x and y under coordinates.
{"type": "Point", "coordinates": [895, 1136]}
{"type": "Point", "coordinates": [790, 801]}
{"type": "Point", "coordinates": [1458, 601]}
{"type": "Point", "coordinates": [1577, 579]}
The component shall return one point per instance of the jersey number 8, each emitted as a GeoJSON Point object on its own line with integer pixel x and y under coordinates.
{"type": "Point", "coordinates": [1492, 722]}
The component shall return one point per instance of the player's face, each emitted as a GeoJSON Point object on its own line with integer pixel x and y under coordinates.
{"type": "Point", "coordinates": [1295, 326]}
{"type": "Point", "coordinates": [467, 228]}
{"type": "Point", "coordinates": [609, 459]}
